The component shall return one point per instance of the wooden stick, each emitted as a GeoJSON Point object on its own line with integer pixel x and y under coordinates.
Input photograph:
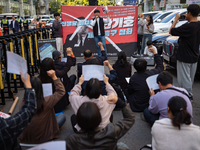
{"type": "Point", "coordinates": [13, 106]}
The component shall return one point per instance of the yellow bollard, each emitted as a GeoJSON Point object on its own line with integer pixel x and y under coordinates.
{"type": "Point", "coordinates": [11, 49]}
{"type": "Point", "coordinates": [30, 47]}
{"type": "Point", "coordinates": [49, 34]}
{"type": "Point", "coordinates": [1, 79]}
{"type": "Point", "coordinates": [41, 34]}
{"type": "Point", "coordinates": [22, 46]}
{"type": "Point", "coordinates": [36, 46]}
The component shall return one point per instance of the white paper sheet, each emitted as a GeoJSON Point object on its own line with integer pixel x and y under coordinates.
{"type": "Point", "coordinates": [64, 59]}
{"type": "Point", "coordinates": [16, 64]}
{"type": "Point", "coordinates": [54, 145]}
{"type": "Point", "coordinates": [93, 71]}
{"type": "Point", "coordinates": [152, 82]}
{"type": "Point", "coordinates": [127, 79]}
{"type": "Point", "coordinates": [47, 89]}
{"type": "Point", "coordinates": [4, 115]}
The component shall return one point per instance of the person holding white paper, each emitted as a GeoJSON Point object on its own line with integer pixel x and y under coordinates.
{"type": "Point", "coordinates": [158, 102]}
{"type": "Point", "coordinates": [92, 94]}
{"type": "Point", "coordinates": [48, 64]}
{"type": "Point", "coordinates": [13, 126]}
{"type": "Point", "coordinates": [45, 125]}
{"type": "Point", "coordinates": [138, 95]}
{"type": "Point", "coordinates": [59, 65]}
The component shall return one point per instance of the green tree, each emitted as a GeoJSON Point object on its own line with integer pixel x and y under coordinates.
{"type": "Point", "coordinates": [55, 6]}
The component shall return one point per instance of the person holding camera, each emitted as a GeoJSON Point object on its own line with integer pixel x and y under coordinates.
{"type": "Point", "coordinates": [188, 50]}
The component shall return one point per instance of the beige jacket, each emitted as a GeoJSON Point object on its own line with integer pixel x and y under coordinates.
{"type": "Point", "coordinates": [105, 108]}
{"type": "Point", "coordinates": [167, 137]}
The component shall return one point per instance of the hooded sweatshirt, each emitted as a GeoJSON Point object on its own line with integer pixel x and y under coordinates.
{"type": "Point", "coordinates": [105, 108]}
{"type": "Point", "coordinates": [167, 137]}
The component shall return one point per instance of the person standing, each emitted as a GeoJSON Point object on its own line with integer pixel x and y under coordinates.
{"type": "Point", "coordinates": [98, 30]}
{"type": "Point", "coordinates": [140, 32]}
{"type": "Point", "coordinates": [14, 25]}
{"type": "Point", "coordinates": [20, 22]}
{"type": "Point", "coordinates": [188, 50]}
{"type": "Point", "coordinates": [5, 25]}
{"type": "Point", "coordinates": [57, 33]}
{"type": "Point", "coordinates": [148, 29]}
{"type": "Point", "coordinates": [25, 24]}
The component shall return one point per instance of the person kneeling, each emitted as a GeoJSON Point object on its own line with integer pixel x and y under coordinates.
{"type": "Point", "coordinates": [92, 137]}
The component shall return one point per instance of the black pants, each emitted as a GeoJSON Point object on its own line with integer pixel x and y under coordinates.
{"type": "Point", "coordinates": [139, 42]}
{"type": "Point", "coordinates": [5, 31]}
{"type": "Point", "coordinates": [72, 79]}
{"type": "Point", "coordinates": [74, 122]}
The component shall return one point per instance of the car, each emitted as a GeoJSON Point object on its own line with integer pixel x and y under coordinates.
{"type": "Point", "coordinates": [166, 23]}
{"type": "Point", "coordinates": [160, 16]}
{"type": "Point", "coordinates": [9, 16]}
{"type": "Point", "coordinates": [170, 48]}
{"type": "Point", "coordinates": [158, 40]}
{"type": "Point", "coordinates": [50, 23]}
{"type": "Point", "coordinates": [153, 13]}
{"type": "Point", "coordinates": [30, 19]}
{"type": "Point", "coordinates": [45, 18]}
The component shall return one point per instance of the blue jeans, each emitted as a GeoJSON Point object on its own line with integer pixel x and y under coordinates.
{"type": "Point", "coordinates": [61, 119]}
{"type": "Point", "coordinates": [150, 118]}
{"type": "Point", "coordinates": [98, 39]}
{"type": "Point", "coordinates": [146, 37]}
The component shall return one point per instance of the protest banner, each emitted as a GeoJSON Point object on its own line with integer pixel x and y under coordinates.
{"type": "Point", "coordinates": [46, 48]}
{"type": "Point", "coordinates": [121, 32]}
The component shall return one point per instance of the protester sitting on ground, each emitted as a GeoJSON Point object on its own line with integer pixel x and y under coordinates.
{"type": "Point", "coordinates": [89, 118]}
{"type": "Point", "coordinates": [59, 65]}
{"type": "Point", "coordinates": [176, 132]}
{"type": "Point", "coordinates": [158, 102]}
{"type": "Point", "coordinates": [112, 76]}
{"type": "Point", "coordinates": [147, 50]}
{"type": "Point", "coordinates": [138, 91]}
{"type": "Point", "coordinates": [48, 64]}
{"type": "Point", "coordinates": [44, 126]}
{"type": "Point", "coordinates": [92, 93]}
{"type": "Point", "coordinates": [13, 126]}
{"type": "Point", "coordinates": [88, 55]}
{"type": "Point", "coordinates": [123, 69]}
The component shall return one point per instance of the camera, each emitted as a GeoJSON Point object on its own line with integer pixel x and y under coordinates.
{"type": "Point", "coordinates": [182, 17]}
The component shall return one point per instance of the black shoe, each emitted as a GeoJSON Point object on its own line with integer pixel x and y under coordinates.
{"type": "Point", "coordinates": [191, 99]}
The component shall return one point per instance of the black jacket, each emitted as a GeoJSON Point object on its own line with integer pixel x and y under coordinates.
{"type": "Point", "coordinates": [104, 139]}
{"type": "Point", "coordinates": [101, 60]}
{"type": "Point", "coordinates": [138, 89]}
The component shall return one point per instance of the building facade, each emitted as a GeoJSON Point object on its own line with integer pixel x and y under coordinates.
{"type": "Point", "coordinates": [21, 7]}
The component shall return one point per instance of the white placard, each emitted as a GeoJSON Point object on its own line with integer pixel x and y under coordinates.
{"type": "Point", "coordinates": [105, 9]}
{"type": "Point", "coordinates": [47, 89]}
{"type": "Point", "coordinates": [4, 115]}
{"type": "Point", "coordinates": [64, 59]}
{"type": "Point", "coordinates": [93, 71]}
{"type": "Point", "coordinates": [193, 2]}
{"type": "Point", "coordinates": [16, 64]}
{"type": "Point", "coordinates": [152, 82]}
{"type": "Point", "coordinates": [54, 145]}
{"type": "Point", "coordinates": [127, 79]}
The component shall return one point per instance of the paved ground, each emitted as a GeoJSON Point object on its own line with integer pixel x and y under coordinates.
{"type": "Point", "coordinates": [140, 133]}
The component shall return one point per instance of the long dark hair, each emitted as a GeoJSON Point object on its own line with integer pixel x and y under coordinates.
{"type": "Point", "coordinates": [177, 105]}
{"type": "Point", "coordinates": [151, 20]}
{"type": "Point", "coordinates": [93, 88]}
{"type": "Point", "coordinates": [122, 59]}
{"type": "Point", "coordinates": [46, 65]}
{"type": "Point", "coordinates": [37, 86]}
{"type": "Point", "coordinates": [88, 118]}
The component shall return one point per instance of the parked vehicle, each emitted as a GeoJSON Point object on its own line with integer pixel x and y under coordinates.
{"type": "Point", "coordinates": [50, 23]}
{"type": "Point", "coordinates": [158, 40]}
{"type": "Point", "coordinates": [166, 23]}
{"type": "Point", "coordinates": [30, 19]}
{"type": "Point", "coordinates": [153, 13]}
{"type": "Point", "coordinates": [170, 48]}
{"type": "Point", "coordinates": [9, 16]}
{"type": "Point", "coordinates": [45, 18]}
{"type": "Point", "coordinates": [160, 16]}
